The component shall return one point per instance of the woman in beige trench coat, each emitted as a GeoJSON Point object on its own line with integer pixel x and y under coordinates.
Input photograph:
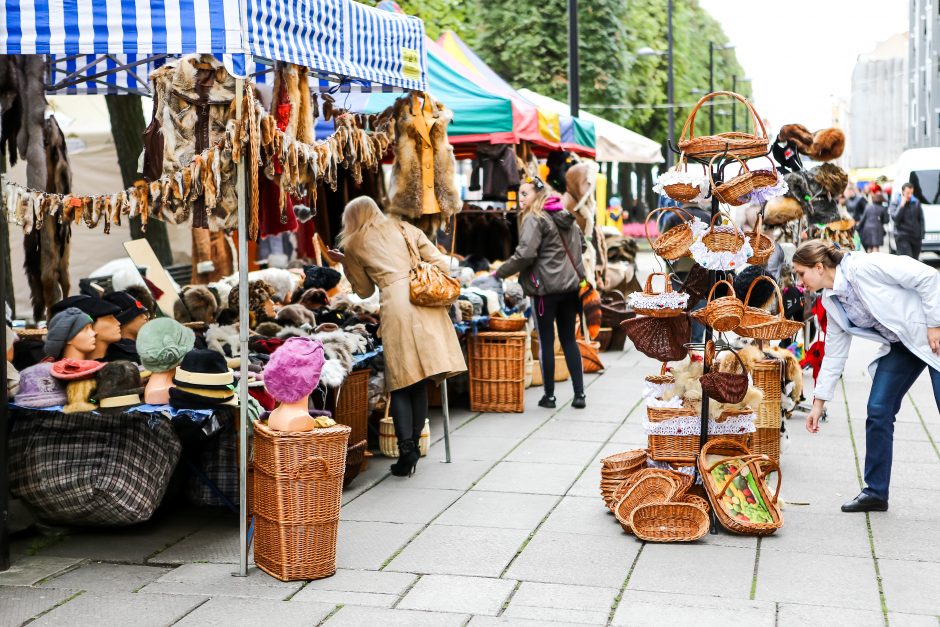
{"type": "Point", "coordinates": [419, 343]}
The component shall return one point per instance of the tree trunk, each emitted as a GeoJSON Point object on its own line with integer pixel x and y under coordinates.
{"type": "Point", "coordinates": [127, 129]}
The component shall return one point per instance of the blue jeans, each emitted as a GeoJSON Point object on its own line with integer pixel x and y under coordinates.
{"type": "Point", "coordinates": [897, 371]}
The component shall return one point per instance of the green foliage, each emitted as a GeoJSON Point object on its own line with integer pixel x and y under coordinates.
{"type": "Point", "coordinates": [443, 15]}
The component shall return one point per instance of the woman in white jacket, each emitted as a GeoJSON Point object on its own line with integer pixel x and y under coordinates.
{"type": "Point", "coordinates": [893, 300]}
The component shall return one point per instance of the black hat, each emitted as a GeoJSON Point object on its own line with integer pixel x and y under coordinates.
{"type": "Point", "coordinates": [118, 386]}
{"type": "Point", "coordinates": [130, 307]}
{"type": "Point", "coordinates": [91, 305]}
{"type": "Point", "coordinates": [318, 276]}
{"type": "Point", "coordinates": [204, 369]}
{"type": "Point", "coordinates": [191, 398]}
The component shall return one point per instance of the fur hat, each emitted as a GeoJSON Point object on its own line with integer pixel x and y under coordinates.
{"type": "Point", "coordinates": [268, 329]}
{"type": "Point", "coordinates": [79, 394]}
{"type": "Point", "coordinates": [296, 315]}
{"type": "Point", "coordinates": [333, 374]}
{"type": "Point", "coordinates": [315, 298]}
{"type": "Point", "coordinates": [318, 276]}
{"type": "Point", "coordinates": [259, 293]}
{"type": "Point", "coordinates": [832, 178]}
{"type": "Point", "coordinates": [293, 371]}
{"type": "Point", "coordinates": [828, 144]}
{"type": "Point", "coordinates": [119, 387]}
{"type": "Point", "coordinates": [223, 339]}
{"type": "Point", "coordinates": [162, 344]}
{"type": "Point", "coordinates": [762, 292]}
{"type": "Point", "coordinates": [781, 210]}
{"type": "Point", "coordinates": [143, 294]}
{"type": "Point", "coordinates": [197, 304]}
{"type": "Point", "coordinates": [801, 137]}
{"type": "Point", "coordinates": [39, 389]}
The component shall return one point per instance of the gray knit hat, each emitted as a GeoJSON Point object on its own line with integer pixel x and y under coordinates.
{"type": "Point", "coordinates": [62, 328]}
{"type": "Point", "coordinates": [162, 344]}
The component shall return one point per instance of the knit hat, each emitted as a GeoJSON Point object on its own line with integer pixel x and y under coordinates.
{"type": "Point", "coordinates": [64, 325]}
{"type": "Point", "coordinates": [129, 306]}
{"type": "Point", "coordinates": [119, 386]}
{"type": "Point", "coordinates": [75, 369]}
{"type": "Point", "coordinates": [293, 371]}
{"type": "Point", "coordinates": [91, 305]}
{"type": "Point", "coordinates": [318, 276]}
{"type": "Point", "coordinates": [39, 389]}
{"type": "Point", "coordinates": [162, 344]}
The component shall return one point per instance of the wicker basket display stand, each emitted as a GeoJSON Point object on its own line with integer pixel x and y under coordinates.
{"type": "Point", "coordinates": [298, 488]}
{"type": "Point", "coordinates": [497, 371]}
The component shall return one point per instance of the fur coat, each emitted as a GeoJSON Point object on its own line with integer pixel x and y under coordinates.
{"type": "Point", "coordinates": [407, 194]}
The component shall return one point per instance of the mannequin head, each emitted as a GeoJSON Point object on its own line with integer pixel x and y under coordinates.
{"type": "Point", "coordinates": [83, 345]}
{"type": "Point", "coordinates": [130, 329]}
{"type": "Point", "coordinates": [108, 331]}
{"type": "Point", "coordinates": [132, 313]}
{"type": "Point", "coordinates": [290, 376]}
{"type": "Point", "coordinates": [70, 335]}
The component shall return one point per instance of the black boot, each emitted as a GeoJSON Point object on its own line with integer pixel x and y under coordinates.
{"type": "Point", "coordinates": [408, 455]}
{"type": "Point", "coordinates": [579, 401]}
{"type": "Point", "coordinates": [547, 401]}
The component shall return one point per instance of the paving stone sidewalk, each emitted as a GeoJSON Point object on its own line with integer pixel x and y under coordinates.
{"type": "Point", "coordinates": [513, 532]}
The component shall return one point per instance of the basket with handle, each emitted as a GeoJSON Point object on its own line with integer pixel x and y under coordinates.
{"type": "Point", "coordinates": [723, 313]}
{"type": "Point", "coordinates": [682, 191]}
{"type": "Point", "coordinates": [724, 387]}
{"type": "Point", "coordinates": [669, 522]}
{"type": "Point", "coordinates": [654, 488]}
{"type": "Point", "coordinates": [735, 191]}
{"type": "Point", "coordinates": [760, 324]}
{"type": "Point", "coordinates": [663, 378]}
{"type": "Point", "coordinates": [721, 238]}
{"type": "Point", "coordinates": [388, 441]}
{"type": "Point", "coordinates": [722, 491]}
{"type": "Point", "coordinates": [735, 142]}
{"type": "Point", "coordinates": [664, 304]}
{"type": "Point", "coordinates": [674, 243]}
{"type": "Point", "coordinates": [683, 483]}
{"type": "Point", "coordinates": [763, 246]}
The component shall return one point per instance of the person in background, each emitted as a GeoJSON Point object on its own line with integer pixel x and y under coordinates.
{"type": "Point", "coordinates": [855, 202]}
{"type": "Point", "coordinates": [871, 227]}
{"type": "Point", "coordinates": [892, 300]}
{"type": "Point", "coordinates": [615, 213]}
{"type": "Point", "coordinates": [908, 216]}
{"type": "Point", "coordinates": [419, 342]}
{"type": "Point", "coordinates": [548, 262]}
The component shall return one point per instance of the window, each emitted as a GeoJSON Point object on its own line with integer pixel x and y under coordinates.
{"type": "Point", "coordinates": [926, 186]}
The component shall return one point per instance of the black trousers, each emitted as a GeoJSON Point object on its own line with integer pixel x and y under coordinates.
{"type": "Point", "coordinates": [909, 246]}
{"type": "Point", "coordinates": [563, 309]}
{"type": "Point", "coordinates": [409, 410]}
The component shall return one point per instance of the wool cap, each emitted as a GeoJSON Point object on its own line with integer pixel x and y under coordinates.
{"type": "Point", "coordinates": [162, 344]}
{"type": "Point", "coordinates": [39, 389]}
{"type": "Point", "coordinates": [204, 369]}
{"type": "Point", "coordinates": [119, 386]}
{"type": "Point", "coordinates": [91, 305]}
{"type": "Point", "coordinates": [293, 371]}
{"type": "Point", "coordinates": [76, 369]}
{"type": "Point", "coordinates": [64, 325]}
{"type": "Point", "coordinates": [130, 307]}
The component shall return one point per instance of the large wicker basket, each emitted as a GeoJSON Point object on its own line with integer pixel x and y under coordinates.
{"type": "Point", "coordinates": [298, 486]}
{"type": "Point", "coordinates": [767, 375]}
{"type": "Point", "coordinates": [352, 404]}
{"type": "Point", "coordinates": [735, 143]}
{"type": "Point", "coordinates": [669, 522]}
{"type": "Point", "coordinates": [760, 324]}
{"type": "Point", "coordinates": [497, 371]}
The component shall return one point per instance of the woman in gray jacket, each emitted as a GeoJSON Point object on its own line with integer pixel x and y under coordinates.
{"type": "Point", "coordinates": [548, 261]}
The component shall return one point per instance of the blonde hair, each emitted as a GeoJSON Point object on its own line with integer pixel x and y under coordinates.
{"type": "Point", "coordinates": [359, 213]}
{"type": "Point", "coordinates": [814, 251]}
{"type": "Point", "coordinates": [79, 394]}
{"type": "Point", "coordinates": [535, 207]}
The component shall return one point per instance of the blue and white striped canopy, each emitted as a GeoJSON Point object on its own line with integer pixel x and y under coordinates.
{"type": "Point", "coordinates": [340, 39]}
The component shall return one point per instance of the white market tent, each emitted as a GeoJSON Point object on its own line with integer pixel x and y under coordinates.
{"type": "Point", "coordinates": [615, 143]}
{"type": "Point", "coordinates": [104, 43]}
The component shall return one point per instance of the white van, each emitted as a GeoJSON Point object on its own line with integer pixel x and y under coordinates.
{"type": "Point", "coordinates": [921, 167]}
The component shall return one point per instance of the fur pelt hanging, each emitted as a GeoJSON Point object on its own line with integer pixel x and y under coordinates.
{"type": "Point", "coordinates": [292, 79]}
{"type": "Point", "coordinates": [814, 190]}
{"type": "Point", "coordinates": [828, 144]}
{"type": "Point", "coordinates": [407, 197]}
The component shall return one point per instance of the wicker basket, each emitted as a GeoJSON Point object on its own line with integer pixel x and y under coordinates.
{"type": "Point", "coordinates": [669, 522]}
{"type": "Point", "coordinates": [766, 441]}
{"type": "Point", "coordinates": [497, 371]}
{"type": "Point", "coordinates": [663, 378]}
{"type": "Point", "coordinates": [619, 468]}
{"type": "Point", "coordinates": [297, 492]}
{"type": "Point", "coordinates": [654, 488]}
{"type": "Point", "coordinates": [678, 449]}
{"type": "Point", "coordinates": [724, 313]}
{"type": "Point", "coordinates": [388, 441]}
{"type": "Point", "coordinates": [767, 377]}
{"type": "Point", "coordinates": [661, 414]}
{"type": "Point", "coordinates": [355, 460]}
{"type": "Point", "coordinates": [727, 450]}
{"type": "Point", "coordinates": [760, 324]}
{"type": "Point", "coordinates": [735, 143]}
{"type": "Point", "coordinates": [352, 404]}
{"type": "Point", "coordinates": [682, 192]}
{"type": "Point", "coordinates": [674, 243]}
{"type": "Point", "coordinates": [648, 292]}
{"type": "Point", "coordinates": [763, 246]}
{"type": "Point", "coordinates": [735, 191]}
{"type": "Point", "coordinates": [726, 239]}
{"type": "Point", "coordinates": [603, 338]}
{"type": "Point", "coordinates": [614, 311]}
{"type": "Point", "coordinates": [498, 324]}
{"type": "Point", "coordinates": [697, 501]}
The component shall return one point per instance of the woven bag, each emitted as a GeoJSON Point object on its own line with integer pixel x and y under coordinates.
{"type": "Point", "coordinates": [674, 243]}
{"type": "Point", "coordinates": [663, 339]}
{"type": "Point", "coordinates": [734, 143]}
{"type": "Point", "coordinates": [429, 286]}
{"type": "Point", "coordinates": [723, 313]}
{"type": "Point", "coordinates": [724, 387]}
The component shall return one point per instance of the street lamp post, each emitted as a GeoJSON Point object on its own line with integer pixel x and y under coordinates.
{"type": "Point", "coordinates": [646, 51]}
{"type": "Point", "coordinates": [734, 88]}
{"type": "Point", "coordinates": [711, 80]}
{"type": "Point", "coordinates": [574, 101]}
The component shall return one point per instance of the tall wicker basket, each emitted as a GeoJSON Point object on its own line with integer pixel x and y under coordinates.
{"type": "Point", "coordinates": [497, 371]}
{"type": "Point", "coordinates": [766, 440]}
{"type": "Point", "coordinates": [298, 488]}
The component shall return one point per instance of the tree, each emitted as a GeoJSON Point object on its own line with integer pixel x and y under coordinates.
{"type": "Point", "coordinates": [127, 129]}
{"type": "Point", "coordinates": [443, 15]}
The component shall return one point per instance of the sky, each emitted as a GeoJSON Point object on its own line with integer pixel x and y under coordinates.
{"type": "Point", "coordinates": [801, 53]}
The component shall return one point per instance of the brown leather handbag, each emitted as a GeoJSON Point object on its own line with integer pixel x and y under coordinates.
{"type": "Point", "coordinates": [662, 339]}
{"type": "Point", "coordinates": [724, 387]}
{"type": "Point", "coordinates": [429, 286]}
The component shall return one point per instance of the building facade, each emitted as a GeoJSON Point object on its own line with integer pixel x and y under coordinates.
{"type": "Point", "coordinates": [923, 130]}
{"type": "Point", "coordinates": [877, 120]}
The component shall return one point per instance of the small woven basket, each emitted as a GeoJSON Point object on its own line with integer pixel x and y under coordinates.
{"type": "Point", "coordinates": [762, 245]}
{"type": "Point", "coordinates": [760, 324]}
{"type": "Point", "coordinates": [663, 378]}
{"type": "Point", "coordinates": [682, 192]}
{"type": "Point", "coordinates": [669, 522]}
{"type": "Point", "coordinates": [661, 414]}
{"type": "Point", "coordinates": [697, 501]}
{"type": "Point", "coordinates": [683, 483]}
{"type": "Point", "coordinates": [723, 313]}
{"type": "Point", "coordinates": [721, 238]}
{"type": "Point", "coordinates": [735, 191]}
{"type": "Point", "coordinates": [648, 292]}
{"type": "Point", "coordinates": [648, 489]}
{"type": "Point", "coordinates": [735, 143]}
{"type": "Point", "coordinates": [498, 324]}
{"type": "Point", "coordinates": [674, 243]}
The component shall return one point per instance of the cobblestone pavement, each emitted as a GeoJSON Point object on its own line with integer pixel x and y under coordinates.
{"type": "Point", "coordinates": [513, 532]}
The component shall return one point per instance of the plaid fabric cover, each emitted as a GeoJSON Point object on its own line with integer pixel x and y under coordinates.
{"type": "Point", "coordinates": [219, 463]}
{"type": "Point", "coordinates": [91, 469]}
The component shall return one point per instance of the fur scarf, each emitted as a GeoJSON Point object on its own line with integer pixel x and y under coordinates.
{"type": "Point", "coordinates": [407, 190]}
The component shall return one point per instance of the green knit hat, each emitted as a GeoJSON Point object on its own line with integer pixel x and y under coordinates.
{"type": "Point", "coordinates": [162, 344]}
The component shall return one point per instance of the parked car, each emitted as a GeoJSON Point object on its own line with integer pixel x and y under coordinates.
{"type": "Point", "coordinates": [921, 167]}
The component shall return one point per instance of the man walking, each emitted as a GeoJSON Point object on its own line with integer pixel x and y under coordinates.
{"type": "Point", "coordinates": [908, 216]}
{"type": "Point", "coordinates": [855, 202]}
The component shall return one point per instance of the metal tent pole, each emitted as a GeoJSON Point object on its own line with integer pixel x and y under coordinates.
{"type": "Point", "coordinates": [446, 409]}
{"type": "Point", "coordinates": [243, 344]}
